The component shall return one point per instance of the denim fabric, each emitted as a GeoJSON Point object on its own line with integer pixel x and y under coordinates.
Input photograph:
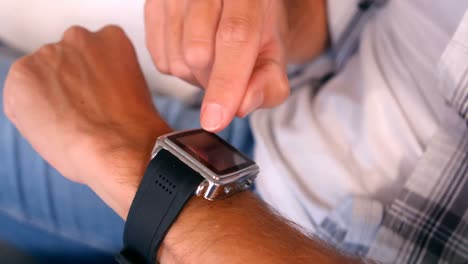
{"type": "Point", "coordinates": [58, 221]}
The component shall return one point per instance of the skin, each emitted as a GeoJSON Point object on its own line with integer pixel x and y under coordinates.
{"type": "Point", "coordinates": [235, 49]}
{"type": "Point", "coordinates": [74, 92]}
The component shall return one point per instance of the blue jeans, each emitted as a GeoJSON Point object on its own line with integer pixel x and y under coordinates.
{"type": "Point", "coordinates": [58, 221]}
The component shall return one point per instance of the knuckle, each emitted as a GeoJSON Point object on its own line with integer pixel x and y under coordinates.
{"type": "Point", "coordinates": [115, 39]}
{"type": "Point", "coordinates": [235, 30]}
{"type": "Point", "coordinates": [179, 69]}
{"type": "Point", "coordinates": [276, 90]}
{"type": "Point", "coordinates": [48, 50]}
{"type": "Point", "coordinates": [116, 33]}
{"type": "Point", "coordinates": [51, 55]}
{"type": "Point", "coordinates": [278, 95]}
{"type": "Point", "coordinates": [119, 34]}
{"type": "Point", "coordinates": [198, 54]}
{"type": "Point", "coordinates": [114, 30]}
{"type": "Point", "coordinates": [20, 68]}
{"type": "Point", "coordinates": [161, 66]}
{"type": "Point", "coordinates": [76, 34]}
{"type": "Point", "coordinates": [283, 94]}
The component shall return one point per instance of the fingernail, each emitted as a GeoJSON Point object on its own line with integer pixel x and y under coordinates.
{"type": "Point", "coordinates": [212, 116]}
{"type": "Point", "coordinates": [257, 101]}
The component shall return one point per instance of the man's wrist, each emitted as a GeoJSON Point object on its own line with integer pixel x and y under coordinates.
{"type": "Point", "coordinates": [197, 216]}
{"type": "Point", "coordinates": [124, 167]}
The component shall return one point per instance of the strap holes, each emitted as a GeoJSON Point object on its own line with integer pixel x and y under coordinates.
{"type": "Point", "coordinates": [165, 184]}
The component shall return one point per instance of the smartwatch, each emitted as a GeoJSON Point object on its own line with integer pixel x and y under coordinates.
{"type": "Point", "coordinates": [183, 163]}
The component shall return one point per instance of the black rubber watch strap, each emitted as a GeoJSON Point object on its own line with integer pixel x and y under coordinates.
{"type": "Point", "coordinates": [166, 187]}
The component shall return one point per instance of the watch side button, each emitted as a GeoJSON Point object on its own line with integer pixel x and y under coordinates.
{"type": "Point", "coordinates": [248, 183]}
{"type": "Point", "coordinates": [201, 188]}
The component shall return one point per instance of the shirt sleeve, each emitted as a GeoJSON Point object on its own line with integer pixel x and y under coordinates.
{"type": "Point", "coordinates": [340, 13]}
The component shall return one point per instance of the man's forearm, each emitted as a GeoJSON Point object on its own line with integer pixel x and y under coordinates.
{"type": "Point", "coordinates": [308, 29]}
{"type": "Point", "coordinates": [239, 229]}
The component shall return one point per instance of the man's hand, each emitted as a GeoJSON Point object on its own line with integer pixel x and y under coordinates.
{"type": "Point", "coordinates": [84, 105]}
{"type": "Point", "coordinates": [236, 49]}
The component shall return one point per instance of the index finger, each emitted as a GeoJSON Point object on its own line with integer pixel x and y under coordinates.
{"type": "Point", "coordinates": [237, 43]}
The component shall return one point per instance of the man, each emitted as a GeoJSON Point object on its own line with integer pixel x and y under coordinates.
{"type": "Point", "coordinates": [369, 131]}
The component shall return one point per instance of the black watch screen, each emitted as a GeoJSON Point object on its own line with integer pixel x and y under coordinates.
{"type": "Point", "coordinates": [212, 151]}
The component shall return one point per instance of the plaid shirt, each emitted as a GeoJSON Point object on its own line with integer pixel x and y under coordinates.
{"type": "Point", "coordinates": [428, 221]}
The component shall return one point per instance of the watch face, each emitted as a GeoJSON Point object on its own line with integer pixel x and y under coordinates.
{"type": "Point", "coordinates": [212, 151]}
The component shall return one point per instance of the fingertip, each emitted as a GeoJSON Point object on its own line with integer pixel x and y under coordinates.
{"type": "Point", "coordinates": [224, 95]}
{"type": "Point", "coordinates": [213, 117]}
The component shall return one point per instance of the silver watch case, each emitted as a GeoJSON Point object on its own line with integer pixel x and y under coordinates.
{"type": "Point", "coordinates": [215, 186]}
